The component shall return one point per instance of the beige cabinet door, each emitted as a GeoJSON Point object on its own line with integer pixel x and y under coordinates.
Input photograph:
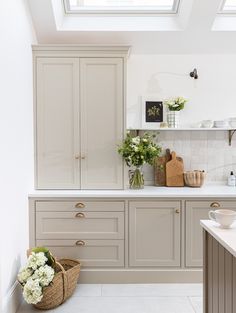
{"type": "Point", "coordinates": [154, 233]}
{"type": "Point", "coordinates": [102, 102]}
{"type": "Point", "coordinates": [196, 211]}
{"type": "Point", "coordinates": [57, 131]}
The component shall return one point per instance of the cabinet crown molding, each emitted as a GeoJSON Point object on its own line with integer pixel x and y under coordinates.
{"type": "Point", "coordinates": [122, 50]}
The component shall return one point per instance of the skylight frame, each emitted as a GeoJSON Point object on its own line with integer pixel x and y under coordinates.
{"type": "Point", "coordinates": [225, 11]}
{"type": "Point", "coordinates": [141, 11]}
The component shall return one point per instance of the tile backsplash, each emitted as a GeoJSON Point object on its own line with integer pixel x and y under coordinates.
{"type": "Point", "coordinates": [200, 150]}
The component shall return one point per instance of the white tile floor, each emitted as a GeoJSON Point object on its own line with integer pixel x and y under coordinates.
{"type": "Point", "coordinates": [140, 298]}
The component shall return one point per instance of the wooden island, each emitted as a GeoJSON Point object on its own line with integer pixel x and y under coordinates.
{"type": "Point", "coordinates": [219, 268]}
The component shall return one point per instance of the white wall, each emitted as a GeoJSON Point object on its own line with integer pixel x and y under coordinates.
{"type": "Point", "coordinates": [16, 141]}
{"type": "Point", "coordinates": [212, 96]}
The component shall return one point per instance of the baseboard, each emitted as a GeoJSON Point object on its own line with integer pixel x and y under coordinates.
{"type": "Point", "coordinates": [13, 299]}
{"type": "Point", "coordinates": [137, 276]}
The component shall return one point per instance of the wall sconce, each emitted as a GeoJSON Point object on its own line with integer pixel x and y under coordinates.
{"type": "Point", "coordinates": [194, 74]}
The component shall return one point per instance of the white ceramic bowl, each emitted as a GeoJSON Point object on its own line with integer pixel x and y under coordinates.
{"type": "Point", "coordinates": [207, 124]}
{"type": "Point", "coordinates": [233, 124]}
{"type": "Point", "coordinates": [196, 125]}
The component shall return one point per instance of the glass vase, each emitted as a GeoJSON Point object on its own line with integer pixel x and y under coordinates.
{"type": "Point", "coordinates": [136, 180]}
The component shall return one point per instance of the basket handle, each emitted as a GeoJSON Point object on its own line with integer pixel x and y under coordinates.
{"type": "Point", "coordinates": [65, 280]}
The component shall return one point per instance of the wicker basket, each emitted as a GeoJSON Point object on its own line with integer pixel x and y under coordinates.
{"type": "Point", "coordinates": [63, 284]}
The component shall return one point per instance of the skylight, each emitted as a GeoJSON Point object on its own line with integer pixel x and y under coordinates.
{"type": "Point", "coordinates": [228, 6]}
{"type": "Point", "coordinates": [121, 6]}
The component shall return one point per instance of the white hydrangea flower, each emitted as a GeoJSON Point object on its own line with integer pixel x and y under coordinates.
{"type": "Point", "coordinates": [32, 291]}
{"type": "Point", "coordinates": [36, 260]}
{"type": "Point", "coordinates": [136, 140]}
{"type": "Point", "coordinates": [24, 274]}
{"type": "Point", "coordinates": [44, 275]}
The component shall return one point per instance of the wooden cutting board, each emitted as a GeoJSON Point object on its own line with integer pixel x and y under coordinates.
{"type": "Point", "coordinates": [175, 172]}
{"type": "Point", "coordinates": [160, 169]}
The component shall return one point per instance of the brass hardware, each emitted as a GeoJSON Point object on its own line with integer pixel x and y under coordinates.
{"type": "Point", "coordinates": [77, 156]}
{"type": "Point", "coordinates": [80, 215]}
{"type": "Point", "coordinates": [177, 211]}
{"type": "Point", "coordinates": [215, 205]}
{"type": "Point", "coordinates": [80, 243]}
{"type": "Point", "coordinates": [80, 205]}
{"type": "Point", "coordinates": [83, 157]}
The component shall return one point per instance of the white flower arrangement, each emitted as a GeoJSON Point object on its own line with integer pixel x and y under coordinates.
{"type": "Point", "coordinates": [38, 274]}
{"type": "Point", "coordinates": [176, 104]}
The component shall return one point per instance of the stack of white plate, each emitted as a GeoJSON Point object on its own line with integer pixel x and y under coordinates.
{"type": "Point", "coordinates": [232, 122]}
{"type": "Point", "coordinates": [221, 124]}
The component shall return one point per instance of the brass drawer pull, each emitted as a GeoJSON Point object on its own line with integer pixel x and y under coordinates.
{"type": "Point", "coordinates": [177, 211]}
{"type": "Point", "coordinates": [215, 205]}
{"type": "Point", "coordinates": [80, 243]}
{"type": "Point", "coordinates": [80, 215]}
{"type": "Point", "coordinates": [80, 205]}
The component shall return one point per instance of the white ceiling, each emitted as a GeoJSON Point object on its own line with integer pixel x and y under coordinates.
{"type": "Point", "coordinates": [196, 29]}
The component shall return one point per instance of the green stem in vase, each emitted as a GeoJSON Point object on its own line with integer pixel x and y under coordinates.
{"type": "Point", "coordinates": [137, 181]}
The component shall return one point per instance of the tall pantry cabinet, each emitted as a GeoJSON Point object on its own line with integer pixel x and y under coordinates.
{"type": "Point", "coordinates": [79, 116]}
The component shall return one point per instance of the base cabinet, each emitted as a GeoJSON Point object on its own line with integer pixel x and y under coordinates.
{"type": "Point", "coordinates": [196, 211]}
{"type": "Point", "coordinates": [125, 240]}
{"type": "Point", "coordinates": [154, 233]}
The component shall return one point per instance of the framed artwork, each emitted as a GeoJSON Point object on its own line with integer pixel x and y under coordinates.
{"type": "Point", "coordinates": [152, 113]}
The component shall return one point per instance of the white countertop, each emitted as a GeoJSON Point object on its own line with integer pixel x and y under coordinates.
{"type": "Point", "coordinates": [226, 237]}
{"type": "Point", "coordinates": [207, 191]}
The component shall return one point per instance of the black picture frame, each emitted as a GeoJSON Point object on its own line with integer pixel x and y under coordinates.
{"type": "Point", "coordinates": [153, 111]}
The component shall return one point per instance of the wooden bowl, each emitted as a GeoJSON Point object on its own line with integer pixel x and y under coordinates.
{"type": "Point", "coordinates": [194, 178]}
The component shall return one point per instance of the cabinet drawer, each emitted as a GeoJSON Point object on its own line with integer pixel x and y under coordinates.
{"type": "Point", "coordinates": [80, 205]}
{"type": "Point", "coordinates": [92, 253]}
{"type": "Point", "coordinates": [84, 225]}
{"type": "Point", "coordinates": [212, 204]}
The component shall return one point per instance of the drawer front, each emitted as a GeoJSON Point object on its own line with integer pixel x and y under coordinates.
{"type": "Point", "coordinates": [83, 225]}
{"type": "Point", "coordinates": [80, 205]}
{"type": "Point", "coordinates": [212, 204]}
{"type": "Point", "coordinates": [91, 253]}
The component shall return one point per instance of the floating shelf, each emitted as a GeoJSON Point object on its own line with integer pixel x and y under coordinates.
{"type": "Point", "coordinates": [231, 131]}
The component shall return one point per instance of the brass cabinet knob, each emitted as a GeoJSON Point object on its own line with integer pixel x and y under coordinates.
{"type": "Point", "coordinates": [215, 205]}
{"type": "Point", "coordinates": [77, 156]}
{"type": "Point", "coordinates": [80, 205]}
{"type": "Point", "coordinates": [80, 215]}
{"type": "Point", "coordinates": [80, 243]}
{"type": "Point", "coordinates": [82, 157]}
{"type": "Point", "coordinates": [177, 211]}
